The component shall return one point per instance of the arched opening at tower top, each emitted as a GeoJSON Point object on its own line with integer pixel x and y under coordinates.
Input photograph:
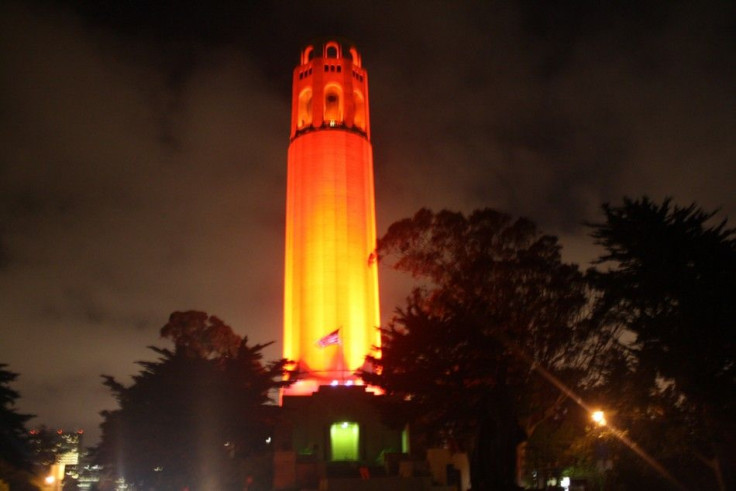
{"type": "Point", "coordinates": [359, 111]}
{"type": "Point", "coordinates": [332, 50]}
{"type": "Point", "coordinates": [304, 114]}
{"type": "Point", "coordinates": [307, 54]}
{"type": "Point", "coordinates": [333, 104]}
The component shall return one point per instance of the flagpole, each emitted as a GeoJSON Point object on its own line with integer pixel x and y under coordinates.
{"type": "Point", "coordinates": [342, 362]}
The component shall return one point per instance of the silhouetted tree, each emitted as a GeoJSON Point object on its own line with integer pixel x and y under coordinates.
{"type": "Point", "coordinates": [192, 417]}
{"type": "Point", "coordinates": [15, 457]}
{"type": "Point", "coordinates": [496, 300]}
{"type": "Point", "coordinates": [198, 334]}
{"type": "Point", "coordinates": [671, 281]}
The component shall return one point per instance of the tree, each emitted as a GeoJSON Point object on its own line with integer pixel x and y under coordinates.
{"type": "Point", "coordinates": [200, 335]}
{"type": "Point", "coordinates": [671, 281]}
{"type": "Point", "coordinates": [15, 456]}
{"type": "Point", "coordinates": [495, 301]}
{"type": "Point", "coordinates": [191, 418]}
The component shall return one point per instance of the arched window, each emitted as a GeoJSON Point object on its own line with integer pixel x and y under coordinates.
{"type": "Point", "coordinates": [333, 104]}
{"type": "Point", "coordinates": [307, 54]}
{"type": "Point", "coordinates": [332, 50]}
{"type": "Point", "coordinates": [355, 56]}
{"type": "Point", "coordinates": [304, 116]}
{"type": "Point", "coordinates": [359, 116]}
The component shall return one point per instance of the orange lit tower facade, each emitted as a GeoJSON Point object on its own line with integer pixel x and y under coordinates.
{"type": "Point", "coordinates": [331, 309]}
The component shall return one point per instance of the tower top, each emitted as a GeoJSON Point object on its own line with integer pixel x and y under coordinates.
{"type": "Point", "coordinates": [330, 47]}
{"type": "Point", "coordinates": [330, 89]}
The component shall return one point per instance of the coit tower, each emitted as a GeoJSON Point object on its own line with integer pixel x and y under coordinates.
{"type": "Point", "coordinates": [331, 308]}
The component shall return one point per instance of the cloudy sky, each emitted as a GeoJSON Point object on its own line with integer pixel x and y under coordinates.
{"type": "Point", "coordinates": [143, 150]}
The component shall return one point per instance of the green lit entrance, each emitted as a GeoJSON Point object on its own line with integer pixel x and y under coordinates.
{"type": "Point", "coordinates": [344, 438]}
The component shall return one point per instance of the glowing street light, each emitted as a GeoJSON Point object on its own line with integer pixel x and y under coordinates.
{"type": "Point", "coordinates": [599, 417]}
{"type": "Point", "coordinates": [51, 482]}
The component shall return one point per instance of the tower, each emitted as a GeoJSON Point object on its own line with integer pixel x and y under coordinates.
{"type": "Point", "coordinates": [331, 309]}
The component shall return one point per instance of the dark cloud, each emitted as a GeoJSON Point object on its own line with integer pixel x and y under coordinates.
{"type": "Point", "coordinates": [143, 156]}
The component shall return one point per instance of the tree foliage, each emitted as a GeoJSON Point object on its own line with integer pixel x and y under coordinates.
{"type": "Point", "coordinates": [200, 335]}
{"type": "Point", "coordinates": [671, 281]}
{"type": "Point", "coordinates": [192, 417]}
{"type": "Point", "coordinates": [495, 300]}
{"type": "Point", "coordinates": [15, 456]}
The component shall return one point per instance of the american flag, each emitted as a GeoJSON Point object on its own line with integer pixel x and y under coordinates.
{"type": "Point", "coordinates": [331, 338]}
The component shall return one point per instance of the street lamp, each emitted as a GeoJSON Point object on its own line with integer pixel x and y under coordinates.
{"type": "Point", "coordinates": [52, 482]}
{"type": "Point", "coordinates": [599, 417]}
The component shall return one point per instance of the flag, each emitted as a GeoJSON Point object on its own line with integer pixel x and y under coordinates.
{"type": "Point", "coordinates": [331, 338]}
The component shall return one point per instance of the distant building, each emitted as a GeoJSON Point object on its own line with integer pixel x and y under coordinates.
{"type": "Point", "coordinates": [62, 453]}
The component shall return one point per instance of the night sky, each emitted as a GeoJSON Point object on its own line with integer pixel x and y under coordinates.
{"type": "Point", "coordinates": [143, 150]}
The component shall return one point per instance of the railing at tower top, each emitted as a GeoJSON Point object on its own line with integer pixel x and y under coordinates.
{"type": "Point", "coordinates": [329, 125]}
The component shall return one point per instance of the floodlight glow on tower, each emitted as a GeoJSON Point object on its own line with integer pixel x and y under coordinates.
{"type": "Point", "coordinates": [331, 309]}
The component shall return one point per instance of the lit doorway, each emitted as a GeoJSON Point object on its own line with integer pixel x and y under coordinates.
{"type": "Point", "coordinates": [344, 438]}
